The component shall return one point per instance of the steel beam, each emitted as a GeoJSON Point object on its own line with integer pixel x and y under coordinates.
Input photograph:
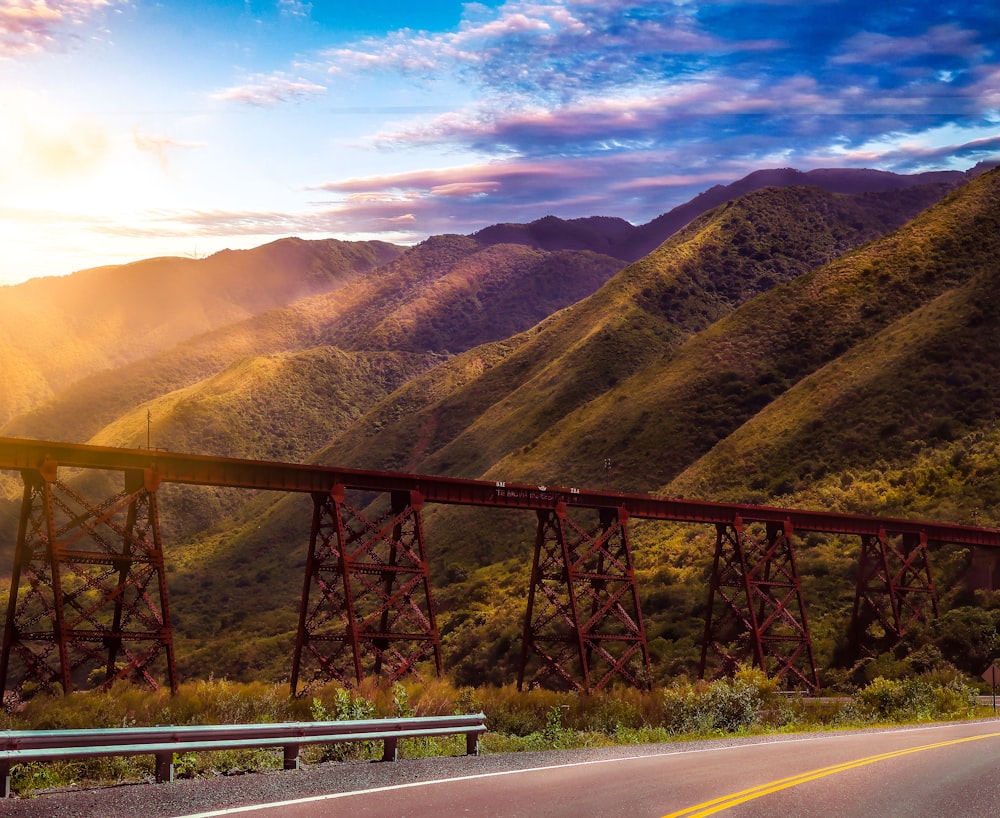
{"type": "Point", "coordinates": [18, 454]}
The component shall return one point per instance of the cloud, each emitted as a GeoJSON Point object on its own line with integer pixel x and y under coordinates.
{"type": "Point", "coordinates": [873, 47]}
{"type": "Point", "coordinates": [265, 90]}
{"type": "Point", "coordinates": [162, 146]}
{"type": "Point", "coordinates": [295, 8]}
{"type": "Point", "coordinates": [30, 26]}
{"type": "Point", "coordinates": [553, 49]}
{"type": "Point", "coordinates": [465, 198]}
{"type": "Point", "coordinates": [634, 118]}
{"type": "Point", "coordinates": [908, 154]}
{"type": "Point", "coordinates": [461, 189]}
{"type": "Point", "coordinates": [710, 78]}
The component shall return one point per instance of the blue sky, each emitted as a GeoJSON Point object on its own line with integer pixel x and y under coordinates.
{"type": "Point", "coordinates": [132, 129]}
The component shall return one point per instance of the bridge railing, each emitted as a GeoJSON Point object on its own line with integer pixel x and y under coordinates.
{"type": "Point", "coordinates": [20, 746]}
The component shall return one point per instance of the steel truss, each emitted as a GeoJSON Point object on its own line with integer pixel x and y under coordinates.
{"type": "Point", "coordinates": [583, 619]}
{"type": "Point", "coordinates": [894, 590]}
{"type": "Point", "coordinates": [88, 594]}
{"type": "Point", "coordinates": [755, 612]}
{"type": "Point", "coordinates": [366, 603]}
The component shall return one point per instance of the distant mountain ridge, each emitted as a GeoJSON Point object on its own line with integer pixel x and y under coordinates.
{"type": "Point", "coordinates": [444, 295]}
{"type": "Point", "coordinates": [619, 238]}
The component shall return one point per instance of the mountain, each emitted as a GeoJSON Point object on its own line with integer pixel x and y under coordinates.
{"type": "Point", "coordinates": [444, 295]}
{"type": "Point", "coordinates": [599, 234]}
{"type": "Point", "coordinates": [600, 352]}
{"type": "Point", "coordinates": [57, 330]}
{"type": "Point", "coordinates": [830, 350]}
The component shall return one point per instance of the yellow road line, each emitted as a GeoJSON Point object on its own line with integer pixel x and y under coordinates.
{"type": "Point", "coordinates": [733, 799]}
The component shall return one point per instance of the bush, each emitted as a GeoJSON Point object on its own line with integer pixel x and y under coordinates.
{"type": "Point", "coordinates": [903, 700]}
{"type": "Point", "coordinates": [726, 706]}
{"type": "Point", "coordinates": [346, 707]}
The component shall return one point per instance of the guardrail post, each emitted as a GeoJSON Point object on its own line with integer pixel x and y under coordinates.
{"type": "Point", "coordinates": [292, 760]}
{"type": "Point", "coordinates": [4, 779]}
{"type": "Point", "coordinates": [164, 767]}
{"type": "Point", "coordinates": [472, 744]}
{"type": "Point", "coordinates": [390, 749]}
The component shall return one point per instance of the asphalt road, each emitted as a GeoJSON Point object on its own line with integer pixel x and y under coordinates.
{"type": "Point", "coordinates": [951, 770]}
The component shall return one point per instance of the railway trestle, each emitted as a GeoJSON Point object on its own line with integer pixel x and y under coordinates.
{"type": "Point", "coordinates": [88, 599]}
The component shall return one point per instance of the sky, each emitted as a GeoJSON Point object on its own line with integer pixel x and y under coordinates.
{"type": "Point", "coordinates": [131, 129]}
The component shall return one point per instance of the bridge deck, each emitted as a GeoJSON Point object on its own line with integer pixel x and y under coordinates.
{"type": "Point", "coordinates": [172, 467]}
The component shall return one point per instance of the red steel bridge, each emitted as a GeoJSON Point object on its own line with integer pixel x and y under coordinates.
{"type": "Point", "coordinates": [89, 596]}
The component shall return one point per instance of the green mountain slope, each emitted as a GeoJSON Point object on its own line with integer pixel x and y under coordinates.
{"type": "Point", "coordinates": [581, 359]}
{"type": "Point", "coordinates": [924, 382]}
{"type": "Point", "coordinates": [673, 412]}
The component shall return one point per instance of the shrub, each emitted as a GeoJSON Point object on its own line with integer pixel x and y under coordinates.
{"type": "Point", "coordinates": [727, 705]}
{"type": "Point", "coordinates": [914, 699]}
{"type": "Point", "coordinates": [346, 707]}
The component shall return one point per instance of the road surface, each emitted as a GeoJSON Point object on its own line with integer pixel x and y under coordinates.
{"type": "Point", "coordinates": [943, 770]}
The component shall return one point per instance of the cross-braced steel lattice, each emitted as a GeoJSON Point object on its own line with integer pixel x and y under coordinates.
{"type": "Point", "coordinates": [88, 597]}
{"type": "Point", "coordinates": [894, 590]}
{"type": "Point", "coordinates": [366, 599]}
{"type": "Point", "coordinates": [755, 609]}
{"type": "Point", "coordinates": [583, 621]}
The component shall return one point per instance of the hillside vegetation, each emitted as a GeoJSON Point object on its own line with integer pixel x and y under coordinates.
{"type": "Point", "coordinates": [593, 359]}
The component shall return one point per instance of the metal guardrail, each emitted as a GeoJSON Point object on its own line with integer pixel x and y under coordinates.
{"type": "Point", "coordinates": [19, 746]}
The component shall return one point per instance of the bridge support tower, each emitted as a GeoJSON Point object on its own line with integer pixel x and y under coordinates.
{"type": "Point", "coordinates": [756, 613]}
{"type": "Point", "coordinates": [583, 626]}
{"type": "Point", "coordinates": [894, 590]}
{"type": "Point", "coordinates": [367, 606]}
{"type": "Point", "coordinates": [88, 595]}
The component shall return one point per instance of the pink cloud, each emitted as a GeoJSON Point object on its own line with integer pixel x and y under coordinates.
{"type": "Point", "coordinates": [271, 90]}
{"type": "Point", "coordinates": [870, 47]}
{"type": "Point", "coordinates": [465, 189]}
{"type": "Point", "coordinates": [486, 177]}
{"type": "Point", "coordinates": [621, 116]}
{"type": "Point", "coordinates": [31, 27]}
